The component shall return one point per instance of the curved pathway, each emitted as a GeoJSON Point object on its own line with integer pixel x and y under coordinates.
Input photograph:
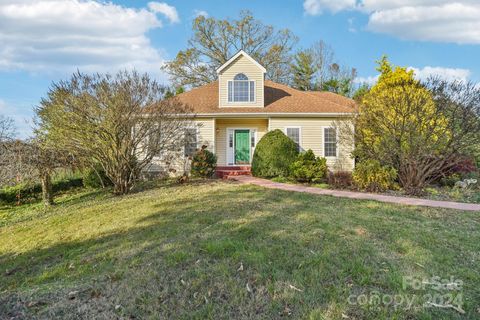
{"type": "Point", "coordinates": [357, 195]}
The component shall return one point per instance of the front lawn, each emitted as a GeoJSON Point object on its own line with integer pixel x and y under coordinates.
{"type": "Point", "coordinates": [220, 250]}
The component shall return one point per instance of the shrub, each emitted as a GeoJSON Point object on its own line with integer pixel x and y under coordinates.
{"type": "Point", "coordinates": [96, 178]}
{"type": "Point", "coordinates": [340, 179]}
{"type": "Point", "coordinates": [274, 155]}
{"type": "Point", "coordinates": [370, 175]}
{"type": "Point", "coordinates": [450, 180]}
{"type": "Point", "coordinates": [22, 192]}
{"type": "Point", "coordinates": [204, 163]}
{"type": "Point", "coordinates": [308, 168]}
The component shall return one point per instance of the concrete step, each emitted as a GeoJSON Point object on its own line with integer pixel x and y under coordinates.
{"type": "Point", "coordinates": [224, 174]}
{"type": "Point", "coordinates": [234, 168]}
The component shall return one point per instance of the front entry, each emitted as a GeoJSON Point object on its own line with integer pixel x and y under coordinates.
{"type": "Point", "coordinates": [242, 146]}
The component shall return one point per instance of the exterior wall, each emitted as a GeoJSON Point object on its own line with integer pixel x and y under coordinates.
{"type": "Point", "coordinates": [241, 65]}
{"type": "Point", "coordinates": [174, 163]}
{"type": "Point", "coordinates": [261, 126]}
{"type": "Point", "coordinates": [213, 133]}
{"type": "Point", "coordinates": [206, 133]}
{"type": "Point", "coordinates": [311, 137]}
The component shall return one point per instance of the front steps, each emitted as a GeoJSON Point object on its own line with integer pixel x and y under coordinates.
{"type": "Point", "coordinates": [227, 171]}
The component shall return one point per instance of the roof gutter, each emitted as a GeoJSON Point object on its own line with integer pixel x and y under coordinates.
{"type": "Point", "coordinates": [275, 114]}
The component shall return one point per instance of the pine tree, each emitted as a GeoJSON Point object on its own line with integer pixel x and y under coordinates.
{"type": "Point", "coordinates": [304, 70]}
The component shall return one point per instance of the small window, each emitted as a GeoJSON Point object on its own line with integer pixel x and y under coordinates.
{"type": "Point", "coordinates": [241, 89]}
{"type": "Point", "coordinates": [155, 142]}
{"type": "Point", "coordinates": [330, 142]}
{"type": "Point", "coordinates": [190, 143]}
{"type": "Point", "coordinates": [294, 134]}
{"type": "Point", "coordinates": [252, 91]}
{"type": "Point", "coordinates": [240, 76]}
{"type": "Point", "coordinates": [230, 91]}
{"type": "Point", "coordinates": [230, 140]}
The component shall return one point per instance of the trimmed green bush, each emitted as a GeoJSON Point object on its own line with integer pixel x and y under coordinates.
{"type": "Point", "coordinates": [96, 178]}
{"type": "Point", "coordinates": [370, 175]}
{"type": "Point", "coordinates": [274, 155]}
{"type": "Point", "coordinates": [204, 163]}
{"type": "Point", "coordinates": [308, 168]}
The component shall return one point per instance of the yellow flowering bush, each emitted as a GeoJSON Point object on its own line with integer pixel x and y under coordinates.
{"type": "Point", "coordinates": [370, 175]}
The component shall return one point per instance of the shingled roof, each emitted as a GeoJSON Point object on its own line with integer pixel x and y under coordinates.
{"type": "Point", "coordinates": [279, 98]}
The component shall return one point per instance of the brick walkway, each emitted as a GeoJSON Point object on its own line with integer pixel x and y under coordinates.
{"type": "Point", "coordinates": [357, 195]}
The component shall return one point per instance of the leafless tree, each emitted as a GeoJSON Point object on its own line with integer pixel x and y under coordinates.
{"type": "Point", "coordinates": [120, 122]}
{"type": "Point", "coordinates": [214, 41]}
{"type": "Point", "coordinates": [7, 128]}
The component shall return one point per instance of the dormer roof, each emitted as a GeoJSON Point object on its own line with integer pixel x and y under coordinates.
{"type": "Point", "coordinates": [238, 54]}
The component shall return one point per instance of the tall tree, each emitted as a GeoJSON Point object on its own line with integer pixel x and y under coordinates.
{"type": "Point", "coordinates": [419, 129]}
{"type": "Point", "coordinates": [316, 68]}
{"type": "Point", "coordinates": [119, 122]}
{"type": "Point", "coordinates": [214, 41]}
{"type": "Point", "coordinates": [340, 80]}
{"type": "Point", "coordinates": [7, 132]}
{"type": "Point", "coordinates": [304, 69]}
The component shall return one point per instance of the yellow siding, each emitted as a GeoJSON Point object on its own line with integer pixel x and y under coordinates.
{"type": "Point", "coordinates": [241, 65]}
{"type": "Point", "coordinates": [206, 133]}
{"type": "Point", "coordinates": [311, 137]}
{"type": "Point", "coordinates": [261, 125]}
{"type": "Point", "coordinates": [174, 163]}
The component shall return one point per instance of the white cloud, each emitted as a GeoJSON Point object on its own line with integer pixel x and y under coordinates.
{"type": "Point", "coordinates": [450, 74]}
{"type": "Point", "coordinates": [443, 73]}
{"type": "Point", "coordinates": [198, 13]}
{"type": "Point", "coordinates": [168, 11]}
{"type": "Point", "coordinates": [314, 7]}
{"type": "Point", "coordinates": [456, 21]}
{"type": "Point", "coordinates": [371, 80]}
{"type": "Point", "coordinates": [63, 35]}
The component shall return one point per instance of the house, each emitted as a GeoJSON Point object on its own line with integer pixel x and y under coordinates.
{"type": "Point", "coordinates": [233, 113]}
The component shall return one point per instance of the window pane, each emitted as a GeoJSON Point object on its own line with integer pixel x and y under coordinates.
{"type": "Point", "coordinates": [190, 141]}
{"type": "Point", "coordinates": [294, 134]}
{"type": "Point", "coordinates": [240, 76]}
{"type": "Point", "coordinates": [330, 145]}
{"type": "Point", "coordinates": [240, 92]}
{"type": "Point", "coordinates": [252, 91]}
{"type": "Point", "coordinates": [230, 91]}
{"type": "Point", "coordinates": [230, 140]}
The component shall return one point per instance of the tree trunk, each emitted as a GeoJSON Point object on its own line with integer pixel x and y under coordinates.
{"type": "Point", "coordinates": [47, 189]}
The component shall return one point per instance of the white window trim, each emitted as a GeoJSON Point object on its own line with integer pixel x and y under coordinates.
{"type": "Point", "coordinates": [243, 102]}
{"type": "Point", "coordinates": [300, 143]}
{"type": "Point", "coordinates": [252, 150]}
{"type": "Point", "coordinates": [323, 142]}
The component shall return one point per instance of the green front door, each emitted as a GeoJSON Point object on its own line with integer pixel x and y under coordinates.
{"type": "Point", "coordinates": [242, 147]}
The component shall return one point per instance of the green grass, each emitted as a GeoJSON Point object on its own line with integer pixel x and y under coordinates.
{"type": "Point", "coordinates": [219, 250]}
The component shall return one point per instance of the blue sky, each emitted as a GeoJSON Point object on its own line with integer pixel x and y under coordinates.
{"type": "Point", "coordinates": [45, 40]}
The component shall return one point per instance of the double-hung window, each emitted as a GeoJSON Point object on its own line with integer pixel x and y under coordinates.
{"type": "Point", "coordinates": [330, 142]}
{"type": "Point", "coordinates": [190, 141]}
{"type": "Point", "coordinates": [294, 134]}
{"type": "Point", "coordinates": [241, 89]}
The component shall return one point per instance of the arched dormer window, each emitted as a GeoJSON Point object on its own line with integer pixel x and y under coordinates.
{"type": "Point", "coordinates": [241, 89]}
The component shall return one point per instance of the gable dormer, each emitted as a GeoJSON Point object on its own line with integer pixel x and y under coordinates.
{"type": "Point", "coordinates": [240, 82]}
